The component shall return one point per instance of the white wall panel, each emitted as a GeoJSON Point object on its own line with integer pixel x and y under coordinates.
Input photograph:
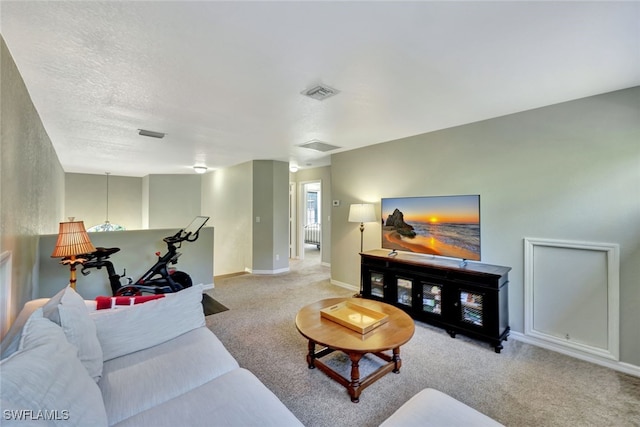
{"type": "Point", "coordinates": [572, 295]}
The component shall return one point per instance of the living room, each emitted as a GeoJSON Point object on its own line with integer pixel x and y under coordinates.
{"type": "Point", "coordinates": [566, 172]}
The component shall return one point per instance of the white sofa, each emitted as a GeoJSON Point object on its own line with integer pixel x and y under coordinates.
{"type": "Point", "coordinates": [432, 408]}
{"type": "Point", "coordinates": [152, 364]}
{"type": "Point", "coordinates": [155, 364]}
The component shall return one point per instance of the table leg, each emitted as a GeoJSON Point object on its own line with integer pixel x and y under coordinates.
{"type": "Point", "coordinates": [397, 362]}
{"type": "Point", "coordinates": [354, 385]}
{"type": "Point", "coordinates": [311, 356]}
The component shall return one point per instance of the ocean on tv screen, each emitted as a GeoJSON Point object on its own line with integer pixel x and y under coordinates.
{"type": "Point", "coordinates": [446, 226]}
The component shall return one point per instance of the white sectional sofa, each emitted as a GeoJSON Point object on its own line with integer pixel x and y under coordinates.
{"type": "Point", "coordinates": [63, 362]}
{"type": "Point", "coordinates": [432, 408]}
{"type": "Point", "coordinates": [152, 364]}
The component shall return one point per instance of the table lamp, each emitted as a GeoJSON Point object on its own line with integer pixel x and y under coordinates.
{"type": "Point", "coordinates": [72, 240]}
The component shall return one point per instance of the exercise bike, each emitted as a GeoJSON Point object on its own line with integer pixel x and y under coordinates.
{"type": "Point", "coordinates": [159, 279]}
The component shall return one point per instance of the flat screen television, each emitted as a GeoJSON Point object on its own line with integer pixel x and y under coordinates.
{"type": "Point", "coordinates": [447, 226]}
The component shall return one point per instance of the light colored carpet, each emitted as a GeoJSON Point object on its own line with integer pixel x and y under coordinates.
{"type": "Point", "coordinates": [523, 386]}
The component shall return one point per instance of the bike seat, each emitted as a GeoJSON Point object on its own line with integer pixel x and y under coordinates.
{"type": "Point", "coordinates": [105, 252]}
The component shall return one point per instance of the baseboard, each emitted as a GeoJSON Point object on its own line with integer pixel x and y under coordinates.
{"type": "Point", "coordinates": [325, 264]}
{"type": "Point", "coordinates": [626, 368]}
{"type": "Point", "coordinates": [226, 276]}
{"type": "Point", "coordinates": [209, 286]}
{"type": "Point", "coordinates": [278, 271]}
{"type": "Point", "coordinates": [344, 285]}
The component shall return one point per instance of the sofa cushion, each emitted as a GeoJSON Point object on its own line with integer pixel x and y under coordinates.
{"type": "Point", "coordinates": [45, 378]}
{"type": "Point", "coordinates": [68, 310]}
{"type": "Point", "coordinates": [235, 399]}
{"type": "Point", "coordinates": [11, 340]}
{"type": "Point", "coordinates": [432, 408]}
{"type": "Point", "coordinates": [129, 329]}
{"type": "Point", "coordinates": [141, 380]}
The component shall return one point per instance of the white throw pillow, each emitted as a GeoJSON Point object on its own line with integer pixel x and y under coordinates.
{"type": "Point", "coordinates": [126, 330]}
{"type": "Point", "coordinates": [68, 310]}
{"type": "Point", "coordinates": [44, 380]}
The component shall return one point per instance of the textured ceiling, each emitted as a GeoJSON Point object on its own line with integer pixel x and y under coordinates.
{"type": "Point", "coordinates": [223, 79]}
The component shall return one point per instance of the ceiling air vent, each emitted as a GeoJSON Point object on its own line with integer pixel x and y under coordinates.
{"type": "Point", "coordinates": [318, 146]}
{"type": "Point", "coordinates": [320, 92]}
{"type": "Point", "coordinates": [151, 133]}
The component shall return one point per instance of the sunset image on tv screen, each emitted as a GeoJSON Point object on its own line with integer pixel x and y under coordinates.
{"type": "Point", "coordinates": [438, 225]}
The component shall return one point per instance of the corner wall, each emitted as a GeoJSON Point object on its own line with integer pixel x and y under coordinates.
{"type": "Point", "coordinates": [568, 171]}
{"type": "Point", "coordinates": [31, 183]}
{"type": "Point", "coordinates": [86, 199]}
{"type": "Point", "coordinates": [271, 205]}
{"type": "Point", "coordinates": [227, 199]}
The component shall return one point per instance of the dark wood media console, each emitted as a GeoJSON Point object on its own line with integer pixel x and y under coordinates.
{"type": "Point", "coordinates": [471, 299]}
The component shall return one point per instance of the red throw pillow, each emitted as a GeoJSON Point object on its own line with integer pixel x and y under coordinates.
{"type": "Point", "coordinates": [111, 302]}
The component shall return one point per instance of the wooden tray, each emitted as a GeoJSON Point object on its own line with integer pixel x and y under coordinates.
{"type": "Point", "coordinates": [354, 316]}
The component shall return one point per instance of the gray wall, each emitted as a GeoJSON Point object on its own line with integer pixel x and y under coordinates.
{"type": "Point", "coordinates": [86, 199]}
{"type": "Point", "coordinates": [174, 200]}
{"type": "Point", "coordinates": [569, 171]}
{"type": "Point", "coordinates": [271, 205]}
{"type": "Point", "coordinates": [31, 183]}
{"type": "Point", "coordinates": [154, 201]}
{"type": "Point", "coordinates": [227, 199]}
{"type": "Point", "coordinates": [137, 255]}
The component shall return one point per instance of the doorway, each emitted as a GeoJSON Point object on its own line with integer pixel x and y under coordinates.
{"type": "Point", "coordinates": [310, 224]}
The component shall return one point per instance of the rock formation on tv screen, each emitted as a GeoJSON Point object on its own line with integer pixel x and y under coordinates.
{"type": "Point", "coordinates": [396, 222]}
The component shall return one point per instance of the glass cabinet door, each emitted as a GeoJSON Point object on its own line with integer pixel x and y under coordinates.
{"type": "Point", "coordinates": [471, 308]}
{"type": "Point", "coordinates": [404, 295]}
{"type": "Point", "coordinates": [431, 298]}
{"type": "Point", "coordinates": [377, 284]}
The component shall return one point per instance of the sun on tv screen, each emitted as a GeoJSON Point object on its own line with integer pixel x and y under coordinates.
{"type": "Point", "coordinates": [447, 226]}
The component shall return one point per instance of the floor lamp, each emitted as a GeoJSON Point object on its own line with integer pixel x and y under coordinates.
{"type": "Point", "coordinates": [361, 212]}
{"type": "Point", "coordinates": [72, 240]}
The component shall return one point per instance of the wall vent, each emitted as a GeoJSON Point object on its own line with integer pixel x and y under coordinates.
{"type": "Point", "coordinates": [318, 146]}
{"type": "Point", "coordinates": [151, 133]}
{"type": "Point", "coordinates": [320, 92]}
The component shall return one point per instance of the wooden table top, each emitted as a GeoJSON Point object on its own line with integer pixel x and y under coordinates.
{"type": "Point", "coordinates": [394, 333]}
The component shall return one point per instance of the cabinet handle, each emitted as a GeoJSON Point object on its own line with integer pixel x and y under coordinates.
{"type": "Point", "coordinates": [456, 304]}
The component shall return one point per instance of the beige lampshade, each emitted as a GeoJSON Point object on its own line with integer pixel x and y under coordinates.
{"type": "Point", "coordinates": [362, 212]}
{"type": "Point", "coordinates": [72, 240]}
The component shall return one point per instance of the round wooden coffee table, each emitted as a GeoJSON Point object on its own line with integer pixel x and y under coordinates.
{"type": "Point", "coordinates": [332, 336]}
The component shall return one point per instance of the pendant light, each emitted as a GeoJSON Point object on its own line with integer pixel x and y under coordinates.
{"type": "Point", "coordinates": [106, 225]}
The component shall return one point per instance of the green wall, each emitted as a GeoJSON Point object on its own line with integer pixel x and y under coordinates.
{"type": "Point", "coordinates": [570, 171]}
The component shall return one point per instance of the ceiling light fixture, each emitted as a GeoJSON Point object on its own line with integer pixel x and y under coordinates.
{"type": "Point", "coordinates": [151, 133]}
{"type": "Point", "coordinates": [106, 225]}
{"type": "Point", "coordinates": [293, 168]}
{"type": "Point", "coordinates": [200, 169]}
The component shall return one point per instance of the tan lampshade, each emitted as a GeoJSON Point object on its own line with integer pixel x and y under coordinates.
{"type": "Point", "coordinates": [72, 240]}
{"type": "Point", "coordinates": [362, 212]}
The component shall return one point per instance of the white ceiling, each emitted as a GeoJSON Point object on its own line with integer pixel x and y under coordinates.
{"type": "Point", "coordinates": [223, 79]}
